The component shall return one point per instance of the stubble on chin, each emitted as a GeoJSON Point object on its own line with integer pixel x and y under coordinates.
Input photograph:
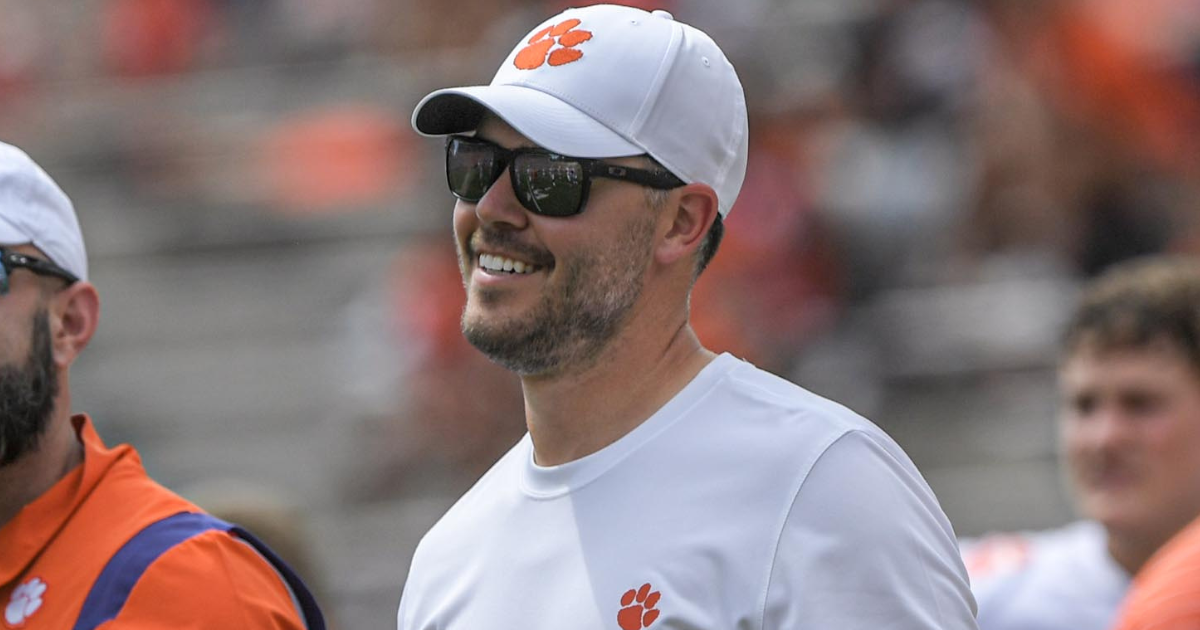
{"type": "Point", "coordinates": [535, 342]}
{"type": "Point", "coordinates": [582, 309]}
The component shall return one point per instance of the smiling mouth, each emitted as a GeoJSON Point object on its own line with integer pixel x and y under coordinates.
{"type": "Point", "coordinates": [499, 264]}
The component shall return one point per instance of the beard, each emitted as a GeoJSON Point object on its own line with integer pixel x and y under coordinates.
{"type": "Point", "coordinates": [27, 393]}
{"type": "Point", "coordinates": [575, 319]}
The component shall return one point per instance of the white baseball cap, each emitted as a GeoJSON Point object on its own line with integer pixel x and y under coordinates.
{"type": "Point", "coordinates": [34, 210]}
{"type": "Point", "coordinates": [610, 81]}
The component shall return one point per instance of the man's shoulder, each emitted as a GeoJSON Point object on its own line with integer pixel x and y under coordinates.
{"type": "Point", "coordinates": [213, 576]}
{"type": "Point", "coordinates": [787, 427]}
{"type": "Point", "coordinates": [755, 394]}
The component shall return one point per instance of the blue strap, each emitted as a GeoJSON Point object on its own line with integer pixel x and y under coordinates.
{"type": "Point", "coordinates": [304, 598]}
{"type": "Point", "coordinates": [111, 590]}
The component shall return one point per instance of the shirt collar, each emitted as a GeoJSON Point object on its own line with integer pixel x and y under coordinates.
{"type": "Point", "coordinates": [39, 522]}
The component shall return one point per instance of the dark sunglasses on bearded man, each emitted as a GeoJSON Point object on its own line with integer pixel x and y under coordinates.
{"type": "Point", "coordinates": [10, 260]}
{"type": "Point", "coordinates": [545, 183]}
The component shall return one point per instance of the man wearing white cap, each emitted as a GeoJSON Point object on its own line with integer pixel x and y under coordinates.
{"type": "Point", "coordinates": [660, 485]}
{"type": "Point", "coordinates": [86, 537]}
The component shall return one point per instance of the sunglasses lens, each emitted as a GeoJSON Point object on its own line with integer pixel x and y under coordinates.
{"type": "Point", "coordinates": [549, 185]}
{"type": "Point", "coordinates": [471, 168]}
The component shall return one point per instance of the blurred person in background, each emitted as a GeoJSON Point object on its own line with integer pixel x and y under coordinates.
{"type": "Point", "coordinates": [1166, 590]}
{"type": "Point", "coordinates": [86, 537]}
{"type": "Point", "coordinates": [660, 484]}
{"type": "Point", "coordinates": [1089, 136]}
{"type": "Point", "coordinates": [1130, 438]}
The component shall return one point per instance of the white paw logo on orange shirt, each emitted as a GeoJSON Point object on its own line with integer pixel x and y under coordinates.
{"type": "Point", "coordinates": [25, 601]}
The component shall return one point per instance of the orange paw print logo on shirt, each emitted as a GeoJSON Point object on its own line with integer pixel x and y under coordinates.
{"type": "Point", "coordinates": [538, 51]}
{"type": "Point", "coordinates": [638, 608]}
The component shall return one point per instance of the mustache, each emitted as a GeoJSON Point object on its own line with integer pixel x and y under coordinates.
{"type": "Point", "coordinates": [1097, 464]}
{"type": "Point", "coordinates": [509, 242]}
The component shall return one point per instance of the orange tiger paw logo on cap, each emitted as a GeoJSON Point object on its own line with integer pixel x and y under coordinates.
{"type": "Point", "coordinates": [538, 51]}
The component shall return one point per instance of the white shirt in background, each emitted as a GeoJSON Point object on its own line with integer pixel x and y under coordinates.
{"type": "Point", "coordinates": [1061, 579]}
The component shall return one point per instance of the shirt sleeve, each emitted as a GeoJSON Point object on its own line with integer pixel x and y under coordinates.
{"type": "Point", "coordinates": [867, 547]}
{"type": "Point", "coordinates": [402, 621]}
{"type": "Point", "coordinates": [210, 582]}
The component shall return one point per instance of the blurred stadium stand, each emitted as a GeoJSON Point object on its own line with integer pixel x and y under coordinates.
{"type": "Point", "coordinates": [930, 180]}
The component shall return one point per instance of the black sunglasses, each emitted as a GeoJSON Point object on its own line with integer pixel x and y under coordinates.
{"type": "Point", "coordinates": [545, 183]}
{"type": "Point", "coordinates": [13, 260]}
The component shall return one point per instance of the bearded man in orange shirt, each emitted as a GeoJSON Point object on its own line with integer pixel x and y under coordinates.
{"type": "Point", "coordinates": [87, 539]}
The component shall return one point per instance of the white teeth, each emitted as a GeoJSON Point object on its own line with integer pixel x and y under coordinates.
{"type": "Point", "coordinates": [492, 262]}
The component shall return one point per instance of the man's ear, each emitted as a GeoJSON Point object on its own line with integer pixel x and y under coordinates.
{"type": "Point", "coordinates": [75, 313]}
{"type": "Point", "coordinates": [689, 214]}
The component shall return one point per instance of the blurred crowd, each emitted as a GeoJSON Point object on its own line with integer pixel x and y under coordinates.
{"type": "Point", "coordinates": [896, 145]}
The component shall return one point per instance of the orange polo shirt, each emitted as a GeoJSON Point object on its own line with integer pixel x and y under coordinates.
{"type": "Point", "coordinates": [1166, 593]}
{"type": "Point", "coordinates": [54, 548]}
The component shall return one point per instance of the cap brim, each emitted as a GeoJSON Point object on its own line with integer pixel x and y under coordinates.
{"type": "Point", "coordinates": [543, 118]}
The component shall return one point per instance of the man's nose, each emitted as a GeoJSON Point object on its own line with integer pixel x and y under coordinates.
{"type": "Point", "coordinates": [499, 205]}
{"type": "Point", "coordinates": [1109, 428]}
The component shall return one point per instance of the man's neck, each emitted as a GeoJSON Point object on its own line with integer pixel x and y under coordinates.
{"type": "Point", "coordinates": [21, 482]}
{"type": "Point", "coordinates": [573, 415]}
{"type": "Point", "coordinates": [1132, 552]}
